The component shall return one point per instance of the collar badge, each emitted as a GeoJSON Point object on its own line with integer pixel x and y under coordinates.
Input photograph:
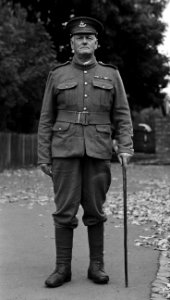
{"type": "Point", "coordinates": [82, 24]}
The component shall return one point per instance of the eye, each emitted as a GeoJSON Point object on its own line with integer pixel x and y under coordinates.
{"type": "Point", "coordinates": [78, 37]}
{"type": "Point", "coordinates": [90, 37]}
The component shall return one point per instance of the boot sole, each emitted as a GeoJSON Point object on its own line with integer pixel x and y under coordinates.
{"type": "Point", "coordinates": [67, 279]}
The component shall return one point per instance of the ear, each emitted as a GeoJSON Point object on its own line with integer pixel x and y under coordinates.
{"type": "Point", "coordinates": [72, 42]}
{"type": "Point", "coordinates": [96, 44]}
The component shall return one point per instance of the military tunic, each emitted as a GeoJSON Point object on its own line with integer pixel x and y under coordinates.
{"type": "Point", "coordinates": [81, 104]}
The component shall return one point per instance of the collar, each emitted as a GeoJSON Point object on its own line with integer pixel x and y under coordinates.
{"type": "Point", "coordinates": [86, 65]}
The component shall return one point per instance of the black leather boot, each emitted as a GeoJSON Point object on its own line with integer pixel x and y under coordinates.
{"type": "Point", "coordinates": [62, 272]}
{"type": "Point", "coordinates": [97, 273]}
{"type": "Point", "coordinates": [96, 270]}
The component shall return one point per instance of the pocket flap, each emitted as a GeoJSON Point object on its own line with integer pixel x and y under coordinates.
{"type": "Point", "coordinates": [102, 84]}
{"type": "Point", "coordinates": [103, 128]}
{"type": "Point", "coordinates": [67, 85]}
{"type": "Point", "coordinates": [61, 126]}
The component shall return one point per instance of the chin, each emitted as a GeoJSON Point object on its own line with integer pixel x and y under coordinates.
{"type": "Point", "coordinates": [85, 52]}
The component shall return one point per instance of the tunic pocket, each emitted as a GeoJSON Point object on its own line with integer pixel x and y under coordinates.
{"type": "Point", "coordinates": [103, 129]}
{"type": "Point", "coordinates": [102, 84]}
{"type": "Point", "coordinates": [61, 126]}
{"type": "Point", "coordinates": [63, 130]}
{"type": "Point", "coordinates": [103, 92]}
{"type": "Point", "coordinates": [67, 85]}
{"type": "Point", "coordinates": [67, 93]}
{"type": "Point", "coordinates": [62, 138]}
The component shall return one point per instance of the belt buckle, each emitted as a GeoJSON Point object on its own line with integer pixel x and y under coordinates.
{"type": "Point", "coordinates": [82, 118]}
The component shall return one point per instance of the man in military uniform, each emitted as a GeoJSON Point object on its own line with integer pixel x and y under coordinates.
{"type": "Point", "coordinates": [82, 102]}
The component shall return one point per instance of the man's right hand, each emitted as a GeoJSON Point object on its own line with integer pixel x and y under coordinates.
{"type": "Point", "coordinates": [47, 169]}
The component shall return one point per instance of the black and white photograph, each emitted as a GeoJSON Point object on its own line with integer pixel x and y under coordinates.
{"type": "Point", "coordinates": [85, 150]}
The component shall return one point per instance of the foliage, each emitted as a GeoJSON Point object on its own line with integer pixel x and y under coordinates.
{"type": "Point", "coordinates": [138, 31]}
{"type": "Point", "coordinates": [133, 32]}
{"type": "Point", "coordinates": [25, 57]}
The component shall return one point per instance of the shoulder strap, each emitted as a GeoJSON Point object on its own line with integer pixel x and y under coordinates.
{"type": "Point", "coordinates": [60, 65]}
{"type": "Point", "coordinates": [107, 65]}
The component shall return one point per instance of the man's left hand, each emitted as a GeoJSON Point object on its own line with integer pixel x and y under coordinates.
{"type": "Point", "coordinates": [124, 158]}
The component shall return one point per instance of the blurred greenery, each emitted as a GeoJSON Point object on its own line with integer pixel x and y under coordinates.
{"type": "Point", "coordinates": [133, 31]}
{"type": "Point", "coordinates": [26, 55]}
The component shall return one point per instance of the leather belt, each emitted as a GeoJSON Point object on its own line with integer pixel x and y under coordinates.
{"type": "Point", "coordinates": [83, 117]}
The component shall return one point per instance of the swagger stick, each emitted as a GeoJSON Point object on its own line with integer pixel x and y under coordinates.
{"type": "Point", "coordinates": [125, 223]}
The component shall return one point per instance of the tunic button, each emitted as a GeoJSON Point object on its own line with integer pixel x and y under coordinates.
{"type": "Point", "coordinates": [85, 108]}
{"type": "Point", "coordinates": [59, 128]}
{"type": "Point", "coordinates": [85, 95]}
{"type": "Point", "coordinates": [85, 72]}
{"type": "Point", "coordinates": [85, 83]}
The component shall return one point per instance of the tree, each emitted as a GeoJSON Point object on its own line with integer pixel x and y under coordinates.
{"type": "Point", "coordinates": [134, 30]}
{"type": "Point", "coordinates": [138, 31]}
{"type": "Point", "coordinates": [26, 55]}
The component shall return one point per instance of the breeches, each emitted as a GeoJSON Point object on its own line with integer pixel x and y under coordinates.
{"type": "Point", "coordinates": [80, 181]}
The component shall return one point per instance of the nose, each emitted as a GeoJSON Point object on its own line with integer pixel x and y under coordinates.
{"type": "Point", "coordinates": [84, 40]}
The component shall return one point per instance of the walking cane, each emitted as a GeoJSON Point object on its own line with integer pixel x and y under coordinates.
{"type": "Point", "coordinates": [125, 214]}
{"type": "Point", "coordinates": [125, 223]}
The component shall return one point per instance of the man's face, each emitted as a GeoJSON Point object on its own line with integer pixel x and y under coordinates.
{"type": "Point", "coordinates": [84, 44]}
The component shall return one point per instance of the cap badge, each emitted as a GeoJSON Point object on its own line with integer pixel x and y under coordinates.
{"type": "Point", "coordinates": [82, 24]}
